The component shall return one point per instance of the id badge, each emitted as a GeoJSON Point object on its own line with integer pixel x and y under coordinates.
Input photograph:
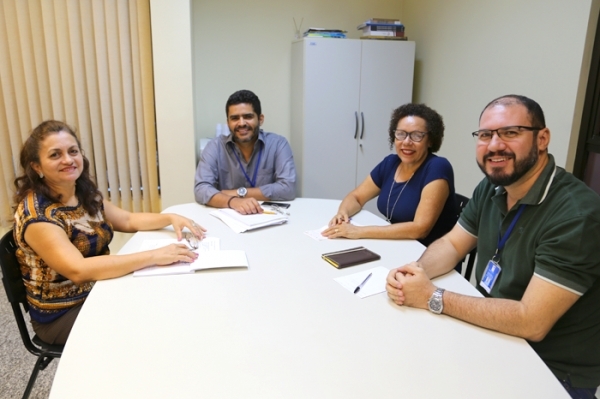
{"type": "Point", "coordinates": [490, 275]}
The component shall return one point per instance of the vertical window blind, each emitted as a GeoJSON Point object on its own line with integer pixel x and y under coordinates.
{"type": "Point", "coordinates": [87, 63]}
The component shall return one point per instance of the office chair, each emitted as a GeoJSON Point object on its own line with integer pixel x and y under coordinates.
{"type": "Point", "coordinates": [15, 291]}
{"type": "Point", "coordinates": [461, 202]}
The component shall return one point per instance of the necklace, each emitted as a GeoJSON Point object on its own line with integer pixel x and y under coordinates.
{"type": "Point", "coordinates": [388, 216]}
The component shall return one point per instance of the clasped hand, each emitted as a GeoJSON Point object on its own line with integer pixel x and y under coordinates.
{"type": "Point", "coordinates": [409, 285]}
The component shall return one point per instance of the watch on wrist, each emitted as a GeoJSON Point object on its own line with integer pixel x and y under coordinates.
{"type": "Point", "coordinates": [436, 302]}
{"type": "Point", "coordinates": [241, 192]}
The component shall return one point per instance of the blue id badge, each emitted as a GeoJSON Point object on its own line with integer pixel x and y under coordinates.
{"type": "Point", "coordinates": [490, 275]}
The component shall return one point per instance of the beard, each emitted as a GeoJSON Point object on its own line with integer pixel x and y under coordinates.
{"type": "Point", "coordinates": [522, 166]}
{"type": "Point", "coordinates": [248, 139]}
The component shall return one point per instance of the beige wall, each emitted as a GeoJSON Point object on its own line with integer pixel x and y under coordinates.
{"type": "Point", "coordinates": [172, 62]}
{"type": "Point", "coordinates": [469, 52]}
{"type": "Point", "coordinates": [241, 45]}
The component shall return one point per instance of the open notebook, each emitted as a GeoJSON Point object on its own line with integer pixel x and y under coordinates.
{"type": "Point", "coordinates": [240, 223]}
{"type": "Point", "coordinates": [207, 259]}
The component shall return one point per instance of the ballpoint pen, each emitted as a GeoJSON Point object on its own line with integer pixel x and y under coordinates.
{"type": "Point", "coordinates": [363, 283]}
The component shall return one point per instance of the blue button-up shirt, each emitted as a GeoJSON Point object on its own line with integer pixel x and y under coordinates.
{"type": "Point", "coordinates": [219, 168]}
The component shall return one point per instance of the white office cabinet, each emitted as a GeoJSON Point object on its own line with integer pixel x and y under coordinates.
{"type": "Point", "coordinates": [343, 94]}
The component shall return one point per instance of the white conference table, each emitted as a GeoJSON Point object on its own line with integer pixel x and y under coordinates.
{"type": "Point", "coordinates": [284, 328]}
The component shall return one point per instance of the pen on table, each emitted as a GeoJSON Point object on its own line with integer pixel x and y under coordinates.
{"type": "Point", "coordinates": [363, 283]}
{"type": "Point", "coordinates": [269, 212]}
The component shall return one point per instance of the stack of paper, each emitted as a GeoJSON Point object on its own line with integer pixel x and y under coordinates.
{"type": "Point", "coordinates": [382, 28]}
{"type": "Point", "coordinates": [323, 32]}
{"type": "Point", "coordinates": [240, 223]}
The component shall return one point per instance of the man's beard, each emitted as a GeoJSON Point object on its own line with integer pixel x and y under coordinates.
{"type": "Point", "coordinates": [522, 166]}
{"type": "Point", "coordinates": [249, 138]}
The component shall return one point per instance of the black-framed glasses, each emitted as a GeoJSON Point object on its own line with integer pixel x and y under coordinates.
{"type": "Point", "coordinates": [506, 133]}
{"type": "Point", "coordinates": [415, 135]}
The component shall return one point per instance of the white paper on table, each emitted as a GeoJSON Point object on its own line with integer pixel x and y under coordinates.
{"type": "Point", "coordinates": [375, 284]}
{"type": "Point", "coordinates": [316, 234]}
{"type": "Point", "coordinates": [233, 224]}
{"type": "Point", "coordinates": [208, 244]}
{"type": "Point", "coordinates": [240, 223]}
{"type": "Point", "coordinates": [218, 259]}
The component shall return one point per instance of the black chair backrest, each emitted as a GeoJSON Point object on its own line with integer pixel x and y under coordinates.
{"type": "Point", "coordinates": [14, 286]}
{"type": "Point", "coordinates": [17, 296]}
{"type": "Point", "coordinates": [11, 272]}
{"type": "Point", "coordinates": [461, 203]}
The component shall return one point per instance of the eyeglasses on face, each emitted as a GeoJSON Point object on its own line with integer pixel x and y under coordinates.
{"type": "Point", "coordinates": [415, 136]}
{"type": "Point", "coordinates": [507, 133]}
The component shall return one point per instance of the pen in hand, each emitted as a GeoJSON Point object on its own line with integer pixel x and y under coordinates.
{"type": "Point", "coordinates": [363, 283]}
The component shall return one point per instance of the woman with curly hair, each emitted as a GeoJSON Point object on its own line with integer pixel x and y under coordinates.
{"type": "Point", "coordinates": [415, 187]}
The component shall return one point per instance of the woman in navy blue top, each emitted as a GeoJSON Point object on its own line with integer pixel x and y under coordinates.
{"type": "Point", "coordinates": [415, 188]}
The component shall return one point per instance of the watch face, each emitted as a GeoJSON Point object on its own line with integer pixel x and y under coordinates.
{"type": "Point", "coordinates": [436, 302]}
{"type": "Point", "coordinates": [242, 191]}
{"type": "Point", "coordinates": [435, 305]}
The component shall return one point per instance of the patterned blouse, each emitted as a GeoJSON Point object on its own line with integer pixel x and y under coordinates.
{"type": "Point", "coordinates": [50, 295]}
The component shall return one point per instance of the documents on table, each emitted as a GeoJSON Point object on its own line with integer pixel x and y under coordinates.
{"type": "Point", "coordinates": [316, 234]}
{"type": "Point", "coordinates": [240, 223]}
{"type": "Point", "coordinates": [374, 285]}
{"type": "Point", "coordinates": [209, 257]}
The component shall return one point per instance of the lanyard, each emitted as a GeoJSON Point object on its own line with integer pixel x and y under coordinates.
{"type": "Point", "coordinates": [253, 181]}
{"type": "Point", "coordinates": [503, 238]}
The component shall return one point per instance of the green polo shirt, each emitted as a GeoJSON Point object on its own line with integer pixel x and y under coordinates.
{"type": "Point", "coordinates": [557, 238]}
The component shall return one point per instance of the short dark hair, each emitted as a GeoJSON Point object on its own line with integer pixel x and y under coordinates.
{"type": "Point", "coordinates": [433, 121]}
{"type": "Point", "coordinates": [86, 190]}
{"type": "Point", "coordinates": [536, 115]}
{"type": "Point", "coordinates": [244, 97]}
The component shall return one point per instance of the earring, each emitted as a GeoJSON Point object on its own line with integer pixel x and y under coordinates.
{"type": "Point", "coordinates": [41, 175]}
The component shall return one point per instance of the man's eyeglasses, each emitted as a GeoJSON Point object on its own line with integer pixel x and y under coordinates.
{"type": "Point", "coordinates": [507, 133]}
{"type": "Point", "coordinates": [415, 136]}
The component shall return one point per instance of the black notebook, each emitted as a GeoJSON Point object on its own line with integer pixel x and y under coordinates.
{"type": "Point", "coordinates": [350, 257]}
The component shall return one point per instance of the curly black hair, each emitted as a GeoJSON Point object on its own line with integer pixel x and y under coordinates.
{"type": "Point", "coordinates": [433, 121]}
{"type": "Point", "coordinates": [244, 97]}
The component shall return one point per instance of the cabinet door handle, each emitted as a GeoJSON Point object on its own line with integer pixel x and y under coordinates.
{"type": "Point", "coordinates": [356, 128]}
{"type": "Point", "coordinates": [362, 128]}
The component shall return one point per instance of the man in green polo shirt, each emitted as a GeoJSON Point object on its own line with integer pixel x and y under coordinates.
{"type": "Point", "coordinates": [537, 231]}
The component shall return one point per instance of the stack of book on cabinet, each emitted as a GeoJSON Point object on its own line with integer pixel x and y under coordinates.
{"type": "Point", "coordinates": [382, 28]}
{"type": "Point", "coordinates": [322, 32]}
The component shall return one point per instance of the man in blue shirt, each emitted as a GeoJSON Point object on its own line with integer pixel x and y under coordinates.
{"type": "Point", "coordinates": [247, 166]}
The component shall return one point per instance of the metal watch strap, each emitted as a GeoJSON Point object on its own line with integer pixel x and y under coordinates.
{"type": "Point", "coordinates": [436, 302]}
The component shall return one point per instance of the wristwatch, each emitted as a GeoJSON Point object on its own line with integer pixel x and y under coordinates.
{"type": "Point", "coordinates": [241, 192]}
{"type": "Point", "coordinates": [436, 302]}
